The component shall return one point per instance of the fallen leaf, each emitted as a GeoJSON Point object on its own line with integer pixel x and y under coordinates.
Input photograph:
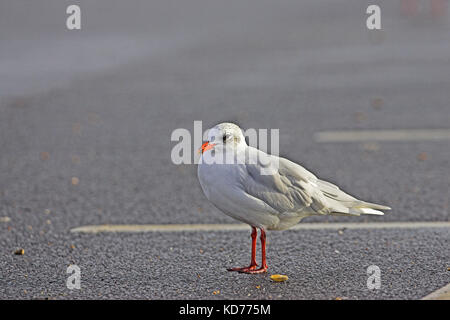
{"type": "Point", "coordinates": [75, 181]}
{"type": "Point", "coordinates": [377, 103]}
{"type": "Point", "coordinates": [44, 155]}
{"type": "Point", "coordinates": [422, 156]}
{"type": "Point", "coordinates": [19, 103]}
{"type": "Point", "coordinates": [360, 116]}
{"type": "Point", "coordinates": [371, 146]}
{"type": "Point", "coordinates": [279, 277]}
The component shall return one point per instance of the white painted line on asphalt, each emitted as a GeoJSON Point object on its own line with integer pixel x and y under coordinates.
{"type": "Point", "coordinates": [383, 135]}
{"type": "Point", "coordinates": [137, 228]}
{"type": "Point", "coordinates": [440, 294]}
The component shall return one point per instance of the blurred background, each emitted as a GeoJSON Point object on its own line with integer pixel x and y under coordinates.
{"type": "Point", "coordinates": [86, 115]}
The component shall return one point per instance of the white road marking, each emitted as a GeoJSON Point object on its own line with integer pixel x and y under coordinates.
{"type": "Point", "coordinates": [137, 228]}
{"type": "Point", "coordinates": [383, 135]}
{"type": "Point", "coordinates": [440, 294]}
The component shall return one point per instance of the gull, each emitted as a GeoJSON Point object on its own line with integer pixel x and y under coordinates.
{"type": "Point", "coordinates": [266, 191]}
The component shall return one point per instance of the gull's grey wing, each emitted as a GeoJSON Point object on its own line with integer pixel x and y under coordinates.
{"type": "Point", "coordinates": [291, 188]}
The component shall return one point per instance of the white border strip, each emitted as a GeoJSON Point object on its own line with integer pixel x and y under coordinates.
{"type": "Point", "coordinates": [139, 228]}
{"type": "Point", "coordinates": [383, 135]}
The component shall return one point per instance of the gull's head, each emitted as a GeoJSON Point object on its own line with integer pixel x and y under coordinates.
{"type": "Point", "coordinates": [224, 136]}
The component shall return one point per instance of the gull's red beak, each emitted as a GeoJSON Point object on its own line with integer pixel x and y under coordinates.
{"type": "Point", "coordinates": [206, 146]}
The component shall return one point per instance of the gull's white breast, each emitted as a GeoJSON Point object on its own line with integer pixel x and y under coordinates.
{"type": "Point", "coordinates": [223, 186]}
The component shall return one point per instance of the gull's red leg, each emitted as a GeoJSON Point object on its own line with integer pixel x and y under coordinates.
{"type": "Point", "coordinates": [253, 263]}
{"type": "Point", "coordinates": [263, 253]}
{"type": "Point", "coordinates": [252, 268]}
{"type": "Point", "coordinates": [263, 246]}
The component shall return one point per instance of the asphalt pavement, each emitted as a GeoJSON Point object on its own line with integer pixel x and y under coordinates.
{"type": "Point", "coordinates": [86, 118]}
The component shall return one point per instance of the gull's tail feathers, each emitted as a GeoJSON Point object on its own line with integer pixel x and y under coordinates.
{"type": "Point", "coordinates": [344, 204]}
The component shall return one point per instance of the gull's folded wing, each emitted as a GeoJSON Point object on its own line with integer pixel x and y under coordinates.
{"type": "Point", "coordinates": [292, 188]}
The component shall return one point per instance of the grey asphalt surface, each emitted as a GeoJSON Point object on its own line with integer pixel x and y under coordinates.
{"type": "Point", "coordinates": [319, 264]}
{"type": "Point", "coordinates": [100, 105]}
